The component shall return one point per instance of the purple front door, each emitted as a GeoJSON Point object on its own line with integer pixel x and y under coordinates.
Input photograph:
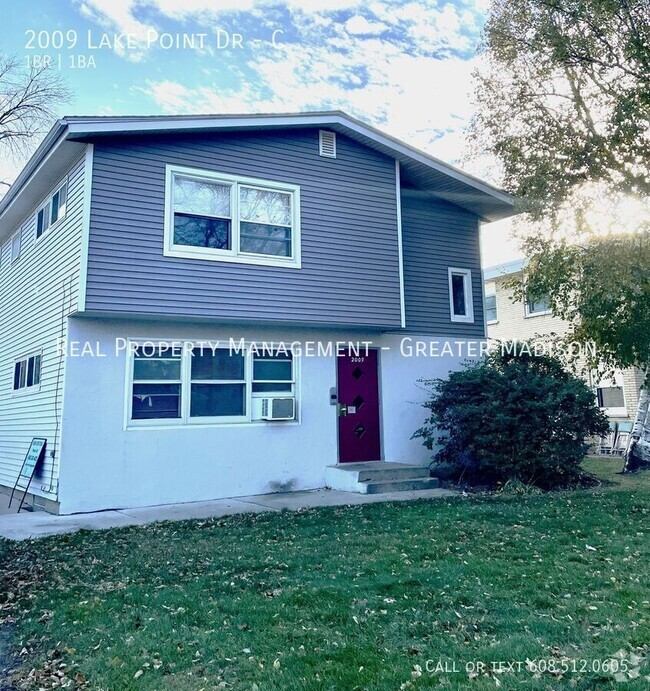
{"type": "Point", "coordinates": [358, 394]}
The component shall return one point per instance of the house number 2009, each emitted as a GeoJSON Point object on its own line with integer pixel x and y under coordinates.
{"type": "Point", "coordinates": [357, 359]}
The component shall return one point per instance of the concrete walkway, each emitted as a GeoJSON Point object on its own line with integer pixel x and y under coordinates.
{"type": "Point", "coordinates": [28, 525]}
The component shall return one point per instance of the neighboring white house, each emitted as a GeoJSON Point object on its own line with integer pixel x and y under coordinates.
{"type": "Point", "coordinates": [508, 318]}
{"type": "Point", "coordinates": [204, 307]}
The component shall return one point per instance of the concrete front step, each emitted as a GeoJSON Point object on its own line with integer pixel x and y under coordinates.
{"type": "Point", "coordinates": [399, 472]}
{"type": "Point", "coordinates": [378, 477]}
{"type": "Point", "coordinates": [401, 485]}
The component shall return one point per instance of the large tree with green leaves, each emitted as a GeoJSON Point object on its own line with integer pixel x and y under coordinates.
{"type": "Point", "coordinates": [564, 106]}
{"type": "Point", "coordinates": [564, 98]}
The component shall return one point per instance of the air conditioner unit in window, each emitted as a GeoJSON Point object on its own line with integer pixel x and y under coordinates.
{"type": "Point", "coordinates": [278, 408]}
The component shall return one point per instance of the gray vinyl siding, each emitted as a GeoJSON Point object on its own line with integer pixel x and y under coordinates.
{"type": "Point", "coordinates": [37, 292]}
{"type": "Point", "coordinates": [350, 263]}
{"type": "Point", "coordinates": [435, 236]}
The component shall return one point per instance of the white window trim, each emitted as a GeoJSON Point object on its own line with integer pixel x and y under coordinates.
{"type": "Point", "coordinates": [186, 394]}
{"type": "Point", "coordinates": [12, 259]}
{"type": "Point", "coordinates": [185, 421]}
{"type": "Point", "coordinates": [233, 255]}
{"type": "Point", "coordinates": [25, 390]}
{"type": "Point", "coordinates": [469, 298]}
{"type": "Point", "coordinates": [272, 394]}
{"type": "Point", "coordinates": [619, 382]}
{"type": "Point", "coordinates": [486, 295]}
{"type": "Point", "coordinates": [47, 202]}
{"type": "Point", "coordinates": [531, 315]}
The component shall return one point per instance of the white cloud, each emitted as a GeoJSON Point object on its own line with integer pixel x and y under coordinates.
{"type": "Point", "coordinates": [359, 25]}
{"type": "Point", "coordinates": [170, 96]}
{"type": "Point", "coordinates": [9, 169]}
{"type": "Point", "coordinates": [121, 14]}
{"type": "Point", "coordinates": [117, 15]}
{"type": "Point", "coordinates": [398, 82]}
{"type": "Point", "coordinates": [318, 5]}
{"type": "Point", "coordinates": [499, 243]}
{"type": "Point", "coordinates": [181, 9]}
{"type": "Point", "coordinates": [421, 99]}
{"type": "Point", "coordinates": [430, 27]}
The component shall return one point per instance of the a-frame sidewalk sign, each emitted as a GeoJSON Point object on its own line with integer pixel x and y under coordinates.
{"type": "Point", "coordinates": [35, 454]}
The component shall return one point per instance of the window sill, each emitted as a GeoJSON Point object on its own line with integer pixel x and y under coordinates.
{"type": "Point", "coordinates": [462, 320]}
{"type": "Point", "coordinates": [26, 390]}
{"type": "Point", "coordinates": [131, 427]}
{"type": "Point", "coordinates": [532, 315]}
{"type": "Point", "coordinates": [213, 256]}
{"type": "Point", "coordinates": [50, 228]}
{"type": "Point", "coordinates": [615, 412]}
{"type": "Point", "coordinates": [492, 321]}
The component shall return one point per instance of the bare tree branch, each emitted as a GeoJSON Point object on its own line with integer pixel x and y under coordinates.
{"type": "Point", "coordinates": [29, 98]}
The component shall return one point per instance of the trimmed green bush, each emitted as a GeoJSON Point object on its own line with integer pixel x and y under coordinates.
{"type": "Point", "coordinates": [512, 417]}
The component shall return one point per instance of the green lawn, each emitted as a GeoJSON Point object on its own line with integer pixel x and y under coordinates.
{"type": "Point", "coordinates": [366, 597]}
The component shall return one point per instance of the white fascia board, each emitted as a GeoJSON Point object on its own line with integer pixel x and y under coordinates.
{"type": "Point", "coordinates": [56, 136]}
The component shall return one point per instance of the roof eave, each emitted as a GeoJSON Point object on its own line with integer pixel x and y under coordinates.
{"type": "Point", "coordinates": [54, 138]}
{"type": "Point", "coordinates": [83, 127]}
{"type": "Point", "coordinates": [86, 127]}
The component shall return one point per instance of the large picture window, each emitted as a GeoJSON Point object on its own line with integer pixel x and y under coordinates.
{"type": "Point", "coordinates": [227, 218]}
{"type": "Point", "coordinates": [200, 384]}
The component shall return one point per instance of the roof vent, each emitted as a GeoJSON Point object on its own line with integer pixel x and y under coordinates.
{"type": "Point", "coordinates": [327, 143]}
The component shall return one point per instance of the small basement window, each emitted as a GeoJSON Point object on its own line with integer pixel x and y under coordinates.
{"type": "Point", "coordinates": [27, 373]}
{"type": "Point", "coordinates": [327, 143]}
{"type": "Point", "coordinates": [460, 295]}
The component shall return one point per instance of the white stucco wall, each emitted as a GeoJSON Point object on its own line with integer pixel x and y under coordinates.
{"type": "Point", "coordinates": [105, 464]}
{"type": "Point", "coordinates": [402, 396]}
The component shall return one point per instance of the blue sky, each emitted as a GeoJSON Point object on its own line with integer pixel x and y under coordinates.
{"type": "Point", "coordinates": [402, 65]}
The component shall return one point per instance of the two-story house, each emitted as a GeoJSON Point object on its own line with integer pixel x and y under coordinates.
{"type": "Point", "coordinates": [509, 318]}
{"type": "Point", "coordinates": [215, 306]}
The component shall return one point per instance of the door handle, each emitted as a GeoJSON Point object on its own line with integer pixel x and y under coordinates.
{"type": "Point", "coordinates": [343, 409]}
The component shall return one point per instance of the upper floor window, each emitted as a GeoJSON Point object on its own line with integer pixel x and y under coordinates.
{"type": "Point", "coordinates": [234, 219]}
{"type": "Point", "coordinates": [537, 306]}
{"type": "Point", "coordinates": [460, 295]}
{"type": "Point", "coordinates": [27, 373]}
{"type": "Point", "coordinates": [52, 211]}
{"type": "Point", "coordinates": [16, 241]}
{"type": "Point", "coordinates": [491, 314]}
